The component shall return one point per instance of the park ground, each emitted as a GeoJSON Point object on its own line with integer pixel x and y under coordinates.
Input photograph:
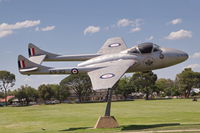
{"type": "Point", "coordinates": [133, 116]}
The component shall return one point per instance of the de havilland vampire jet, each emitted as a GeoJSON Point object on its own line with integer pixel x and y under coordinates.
{"type": "Point", "coordinates": [108, 65]}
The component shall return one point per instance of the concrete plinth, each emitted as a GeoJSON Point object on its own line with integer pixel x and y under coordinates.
{"type": "Point", "coordinates": [106, 122]}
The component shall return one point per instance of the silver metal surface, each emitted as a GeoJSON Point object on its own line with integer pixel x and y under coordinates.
{"type": "Point", "coordinates": [107, 66]}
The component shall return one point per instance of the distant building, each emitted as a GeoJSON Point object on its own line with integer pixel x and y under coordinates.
{"type": "Point", "coordinates": [3, 100]}
{"type": "Point", "coordinates": [195, 90]}
{"type": "Point", "coordinates": [96, 96]}
{"type": "Point", "coordinates": [101, 95]}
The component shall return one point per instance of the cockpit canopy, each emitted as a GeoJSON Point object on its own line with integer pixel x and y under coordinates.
{"type": "Point", "coordinates": [144, 48]}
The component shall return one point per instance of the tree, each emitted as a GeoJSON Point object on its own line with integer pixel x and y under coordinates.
{"type": "Point", "coordinates": [145, 82]}
{"type": "Point", "coordinates": [80, 84]}
{"type": "Point", "coordinates": [46, 92]}
{"type": "Point", "coordinates": [1, 95]}
{"type": "Point", "coordinates": [186, 80]}
{"type": "Point", "coordinates": [197, 80]}
{"type": "Point", "coordinates": [61, 93]}
{"type": "Point", "coordinates": [167, 86]}
{"type": "Point", "coordinates": [7, 80]}
{"type": "Point", "coordinates": [125, 87]}
{"type": "Point", "coordinates": [26, 93]}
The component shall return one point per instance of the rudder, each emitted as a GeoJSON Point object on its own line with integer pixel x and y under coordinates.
{"type": "Point", "coordinates": [35, 51]}
{"type": "Point", "coordinates": [24, 63]}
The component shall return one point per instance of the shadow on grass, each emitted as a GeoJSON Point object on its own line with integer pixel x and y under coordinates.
{"type": "Point", "coordinates": [75, 128]}
{"type": "Point", "coordinates": [141, 127]}
{"type": "Point", "coordinates": [128, 127]}
{"type": "Point", "coordinates": [134, 127]}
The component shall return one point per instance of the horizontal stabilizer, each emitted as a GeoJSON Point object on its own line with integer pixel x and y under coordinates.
{"type": "Point", "coordinates": [26, 65]}
{"type": "Point", "coordinates": [28, 69]}
{"type": "Point", "coordinates": [37, 59]}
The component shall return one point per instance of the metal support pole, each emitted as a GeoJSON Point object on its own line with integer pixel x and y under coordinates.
{"type": "Point", "coordinates": [109, 99]}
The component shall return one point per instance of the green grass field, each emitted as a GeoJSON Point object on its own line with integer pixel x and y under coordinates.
{"type": "Point", "coordinates": [138, 115]}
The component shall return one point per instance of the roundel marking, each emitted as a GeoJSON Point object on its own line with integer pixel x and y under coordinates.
{"type": "Point", "coordinates": [74, 71]}
{"type": "Point", "coordinates": [148, 61]}
{"type": "Point", "coordinates": [161, 56]}
{"type": "Point", "coordinates": [107, 76]}
{"type": "Point", "coordinates": [114, 45]}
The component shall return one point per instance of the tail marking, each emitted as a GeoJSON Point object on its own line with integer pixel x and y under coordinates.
{"type": "Point", "coordinates": [21, 64]}
{"type": "Point", "coordinates": [31, 51]}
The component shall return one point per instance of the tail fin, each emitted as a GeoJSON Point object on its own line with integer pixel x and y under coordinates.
{"type": "Point", "coordinates": [35, 51]}
{"type": "Point", "coordinates": [24, 63]}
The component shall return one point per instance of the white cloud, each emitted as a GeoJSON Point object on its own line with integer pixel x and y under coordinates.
{"type": "Point", "coordinates": [91, 29]}
{"type": "Point", "coordinates": [48, 28]}
{"type": "Point", "coordinates": [127, 22]}
{"type": "Point", "coordinates": [150, 38]}
{"type": "Point", "coordinates": [7, 29]}
{"type": "Point", "coordinates": [19, 25]}
{"type": "Point", "coordinates": [193, 66]}
{"type": "Point", "coordinates": [124, 22]}
{"type": "Point", "coordinates": [176, 21]}
{"type": "Point", "coordinates": [196, 55]}
{"type": "Point", "coordinates": [136, 29]}
{"type": "Point", "coordinates": [133, 24]}
{"type": "Point", "coordinates": [181, 34]}
{"type": "Point", "coordinates": [5, 33]}
{"type": "Point", "coordinates": [137, 22]}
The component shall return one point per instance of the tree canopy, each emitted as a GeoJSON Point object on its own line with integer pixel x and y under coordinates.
{"type": "Point", "coordinates": [80, 84]}
{"type": "Point", "coordinates": [186, 80]}
{"type": "Point", "coordinates": [46, 92]}
{"type": "Point", "coordinates": [26, 93]}
{"type": "Point", "coordinates": [125, 87]}
{"type": "Point", "coordinates": [167, 87]}
{"type": "Point", "coordinates": [145, 82]}
{"type": "Point", "coordinates": [7, 80]}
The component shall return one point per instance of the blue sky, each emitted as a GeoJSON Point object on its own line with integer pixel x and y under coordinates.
{"type": "Point", "coordinates": [74, 27]}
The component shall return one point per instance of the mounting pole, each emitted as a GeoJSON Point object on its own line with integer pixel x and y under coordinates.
{"type": "Point", "coordinates": [109, 99]}
{"type": "Point", "coordinates": [107, 121]}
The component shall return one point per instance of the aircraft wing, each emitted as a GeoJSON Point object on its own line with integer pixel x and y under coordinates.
{"type": "Point", "coordinates": [113, 45]}
{"type": "Point", "coordinates": [109, 74]}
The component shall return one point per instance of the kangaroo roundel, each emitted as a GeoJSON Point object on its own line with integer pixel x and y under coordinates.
{"type": "Point", "coordinates": [114, 45]}
{"type": "Point", "coordinates": [74, 71]}
{"type": "Point", "coordinates": [107, 76]}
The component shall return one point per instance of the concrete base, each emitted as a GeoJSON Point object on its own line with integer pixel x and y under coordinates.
{"type": "Point", "coordinates": [106, 122]}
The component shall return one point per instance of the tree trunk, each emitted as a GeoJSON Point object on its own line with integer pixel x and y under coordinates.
{"type": "Point", "coordinates": [187, 93]}
{"type": "Point", "coordinates": [27, 103]}
{"type": "Point", "coordinates": [125, 96]}
{"type": "Point", "coordinates": [6, 100]}
{"type": "Point", "coordinates": [79, 99]}
{"type": "Point", "coordinates": [147, 96]}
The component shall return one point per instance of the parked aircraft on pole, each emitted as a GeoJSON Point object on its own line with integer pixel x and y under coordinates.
{"type": "Point", "coordinates": [108, 65]}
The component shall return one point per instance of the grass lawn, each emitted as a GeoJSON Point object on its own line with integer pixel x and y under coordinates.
{"type": "Point", "coordinates": [138, 115]}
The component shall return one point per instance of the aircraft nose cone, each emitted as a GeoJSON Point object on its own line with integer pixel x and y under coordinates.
{"type": "Point", "coordinates": [174, 56]}
{"type": "Point", "coordinates": [182, 55]}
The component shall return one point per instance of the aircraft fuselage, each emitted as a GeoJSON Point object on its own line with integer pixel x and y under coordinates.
{"type": "Point", "coordinates": [107, 66]}
{"type": "Point", "coordinates": [144, 62]}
